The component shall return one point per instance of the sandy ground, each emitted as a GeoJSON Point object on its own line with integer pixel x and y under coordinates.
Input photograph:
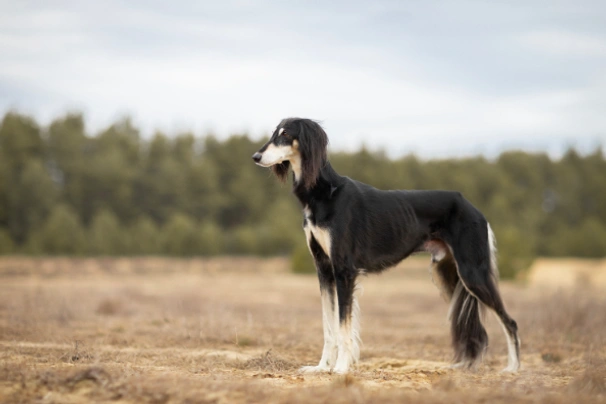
{"type": "Point", "coordinates": [237, 331]}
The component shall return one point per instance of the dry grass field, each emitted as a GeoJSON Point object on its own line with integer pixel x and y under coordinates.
{"type": "Point", "coordinates": [237, 330]}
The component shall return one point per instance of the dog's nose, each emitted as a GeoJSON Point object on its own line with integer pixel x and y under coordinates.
{"type": "Point", "coordinates": [257, 157]}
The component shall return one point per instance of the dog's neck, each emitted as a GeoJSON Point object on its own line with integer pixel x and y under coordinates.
{"type": "Point", "coordinates": [327, 183]}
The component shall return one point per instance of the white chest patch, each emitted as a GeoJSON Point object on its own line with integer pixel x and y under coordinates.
{"type": "Point", "coordinates": [321, 234]}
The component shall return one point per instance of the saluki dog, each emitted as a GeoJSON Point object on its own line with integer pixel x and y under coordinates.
{"type": "Point", "coordinates": [353, 228]}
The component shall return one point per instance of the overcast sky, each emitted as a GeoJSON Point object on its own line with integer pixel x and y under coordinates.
{"type": "Point", "coordinates": [437, 78]}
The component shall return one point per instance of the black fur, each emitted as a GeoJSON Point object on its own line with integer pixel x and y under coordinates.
{"type": "Point", "coordinates": [469, 338]}
{"type": "Point", "coordinates": [281, 170]}
{"type": "Point", "coordinates": [371, 230]}
{"type": "Point", "coordinates": [312, 145]}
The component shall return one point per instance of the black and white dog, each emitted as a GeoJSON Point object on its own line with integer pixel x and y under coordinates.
{"type": "Point", "coordinates": [353, 228]}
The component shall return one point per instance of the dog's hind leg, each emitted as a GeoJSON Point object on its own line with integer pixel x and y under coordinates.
{"type": "Point", "coordinates": [477, 268]}
{"type": "Point", "coordinates": [345, 277]}
{"type": "Point", "coordinates": [510, 327]}
{"type": "Point", "coordinates": [469, 338]}
{"type": "Point", "coordinates": [488, 294]}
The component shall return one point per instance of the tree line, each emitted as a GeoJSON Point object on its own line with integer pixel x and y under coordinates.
{"type": "Point", "coordinates": [64, 191]}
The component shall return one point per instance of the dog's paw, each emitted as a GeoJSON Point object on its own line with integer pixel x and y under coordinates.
{"type": "Point", "coordinates": [458, 365]}
{"type": "Point", "coordinates": [341, 370]}
{"type": "Point", "coordinates": [511, 369]}
{"type": "Point", "coordinates": [314, 369]}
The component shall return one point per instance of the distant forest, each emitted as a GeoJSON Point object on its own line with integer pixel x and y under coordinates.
{"type": "Point", "coordinates": [64, 191]}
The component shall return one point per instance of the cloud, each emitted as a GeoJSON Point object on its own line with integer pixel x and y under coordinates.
{"type": "Point", "coordinates": [567, 44]}
{"type": "Point", "coordinates": [434, 78]}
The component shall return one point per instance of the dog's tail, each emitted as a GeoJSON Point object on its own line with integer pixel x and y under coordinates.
{"type": "Point", "coordinates": [469, 338]}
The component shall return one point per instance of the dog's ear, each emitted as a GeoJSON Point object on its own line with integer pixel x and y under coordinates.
{"type": "Point", "coordinates": [312, 146]}
{"type": "Point", "coordinates": [281, 170]}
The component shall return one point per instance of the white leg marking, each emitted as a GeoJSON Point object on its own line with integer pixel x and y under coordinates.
{"type": "Point", "coordinates": [513, 362]}
{"type": "Point", "coordinates": [330, 321]}
{"type": "Point", "coordinates": [349, 337]}
{"type": "Point", "coordinates": [355, 325]}
{"type": "Point", "coordinates": [345, 356]}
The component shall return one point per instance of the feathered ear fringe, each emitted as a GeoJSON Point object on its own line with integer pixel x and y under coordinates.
{"type": "Point", "coordinates": [312, 146]}
{"type": "Point", "coordinates": [281, 170]}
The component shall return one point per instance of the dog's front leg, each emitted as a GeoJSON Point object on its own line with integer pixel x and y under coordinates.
{"type": "Point", "coordinates": [345, 283]}
{"type": "Point", "coordinates": [330, 318]}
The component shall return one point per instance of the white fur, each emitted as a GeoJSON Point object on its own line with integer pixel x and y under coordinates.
{"type": "Point", "coordinates": [321, 234]}
{"type": "Point", "coordinates": [278, 154]}
{"type": "Point", "coordinates": [280, 131]}
{"type": "Point", "coordinates": [439, 255]}
{"type": "Point", "coordinates": [355, 325]}
{"type": "Point", "coordinates": [467, 308]}
{"type": "Point", "coordinates": [345, 356]}
{"type": "Point", "coordinates": [349, 339]}
{"type": "Point", "coordinates": [492, 244]}
{"type": "Point", "coordinates": [513, 362]}
{"type": "Point", "coordinates": [295, 163]}
{"type": "Point", "coordinates": [453, 299]}
{"type": "Point", "coordinates": [275, 155]}
{"type": "Point", "coordinates": [330, 321]}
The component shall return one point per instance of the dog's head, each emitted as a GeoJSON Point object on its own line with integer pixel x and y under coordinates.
{"type": "Point", "coordinates": [301, 142]}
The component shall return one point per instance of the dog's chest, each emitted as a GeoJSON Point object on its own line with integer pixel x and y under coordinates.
{"type": "Point", "coordinates": [320, 234]}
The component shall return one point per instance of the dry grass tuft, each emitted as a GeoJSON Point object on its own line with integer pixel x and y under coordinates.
{"type": "Point", "coordinates": [244, 341]}
{"type": "Point", "coordinates": [589, 383]}
{"type": "Point", "coordinates": [95, 374]}
{"type": "Point", "coordinates": [551, 357]}
{"type": "Point", "coordinates": [76, 354]}
{"type": "Point", "coordinates": [268, 362]}
{"type": "Point", "coordinates": [592, 380]}
{"type": "Point", "coordinates": [109, 307]}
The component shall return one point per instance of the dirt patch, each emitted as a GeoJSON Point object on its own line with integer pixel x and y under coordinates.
{"type": "Point", "coordinates": [241, 336]}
